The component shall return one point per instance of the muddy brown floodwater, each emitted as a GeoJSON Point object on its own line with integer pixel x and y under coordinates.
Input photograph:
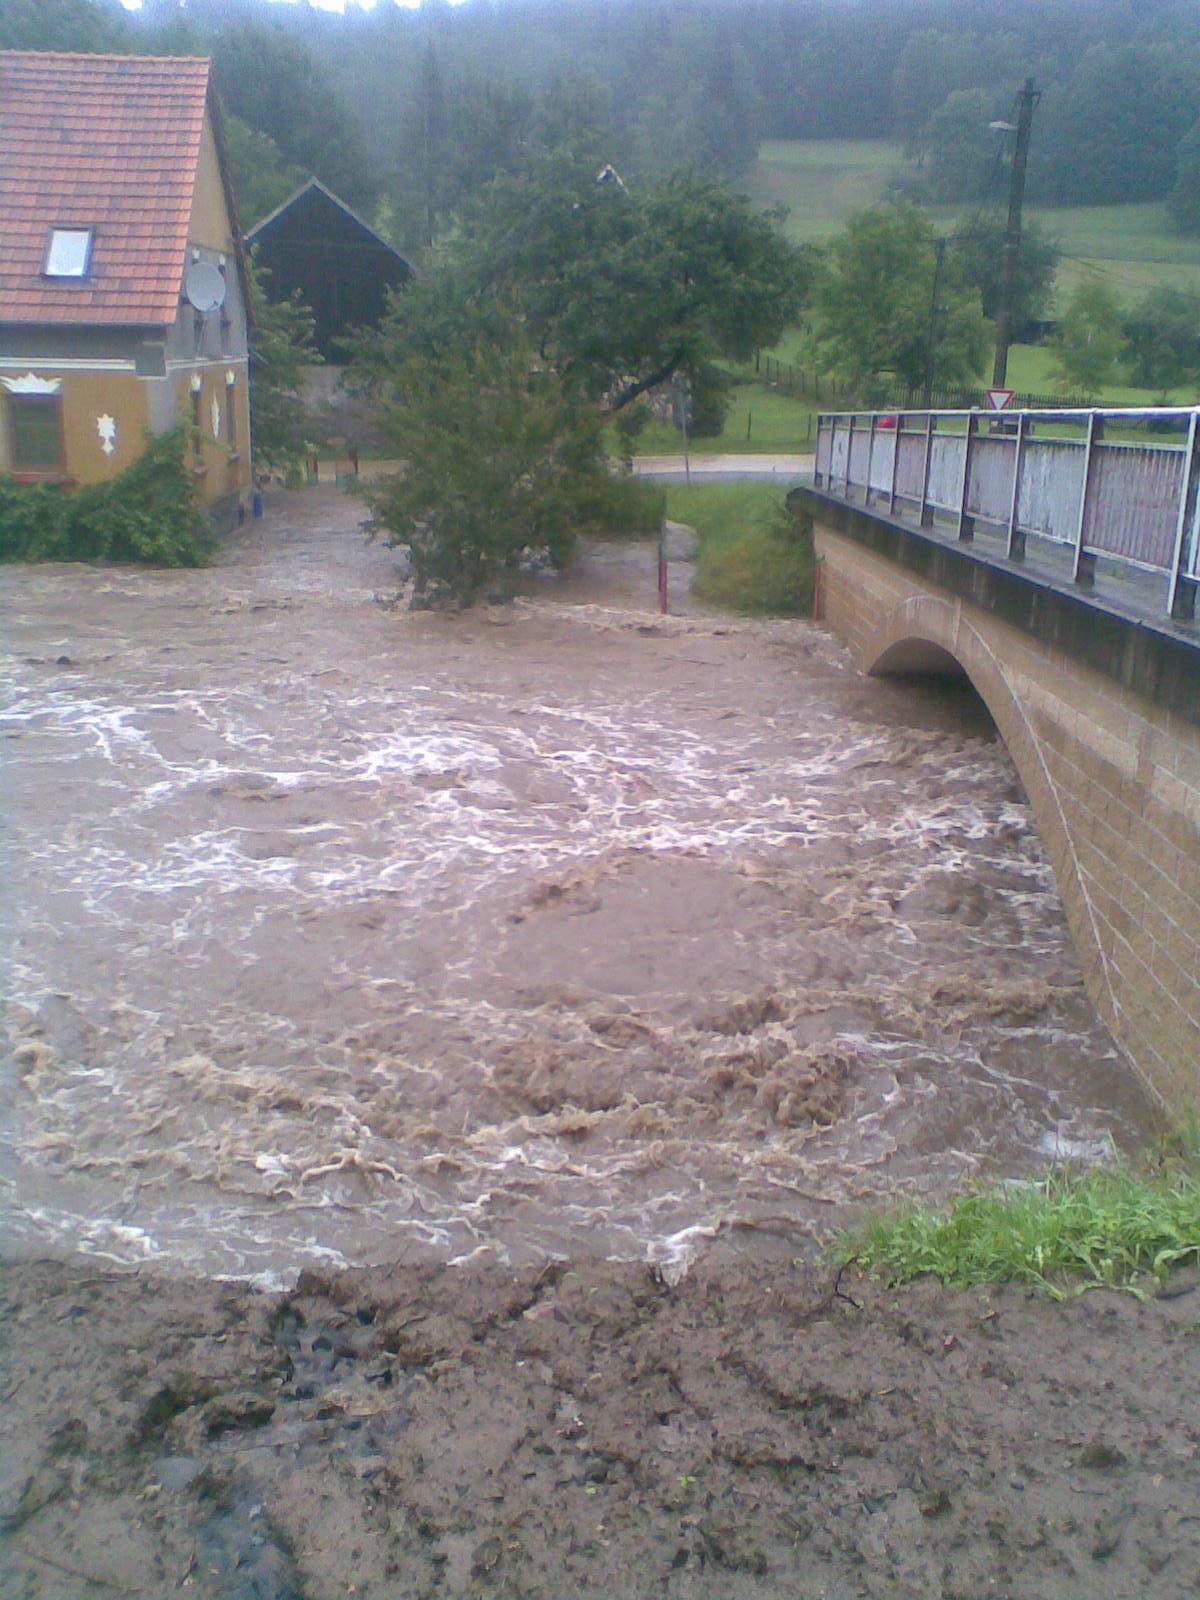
{"type": "Point", "coordinates": [343, 934]}
{"type": "Point", "coordinates": [536, 984]}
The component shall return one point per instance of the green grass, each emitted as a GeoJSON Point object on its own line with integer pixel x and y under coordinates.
{"type": "Point", "coordinates": [1030, 370]}
{"type": "Point", "coordinates": [821, 181]}
{"type": "Point", "coordinates": [761, 421]}
{"type": "Point", "coordinates": [1134, 247]}
{"type": "Point", "coordinates": [1068, 1232]}
{"type": "Point", "coordinates": [719, 510]}
{"type": "Point", "coordinates": [751, 557]}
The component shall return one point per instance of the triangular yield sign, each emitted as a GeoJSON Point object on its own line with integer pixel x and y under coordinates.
{"type": "Point", "coordinates": [997, 399]}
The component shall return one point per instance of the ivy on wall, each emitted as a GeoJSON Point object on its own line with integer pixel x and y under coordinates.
{"type": "Point", "coordinates": [147, 514]}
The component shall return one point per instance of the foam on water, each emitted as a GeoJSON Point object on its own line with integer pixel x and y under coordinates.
{"type": "Point", "coordinates": [341, 935]}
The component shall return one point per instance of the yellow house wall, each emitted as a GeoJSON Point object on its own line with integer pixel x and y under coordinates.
{"type": "Point", "coordinates": [210, 224]}
{"type": "Point", "coordinates": [218, 469]}
{"type": "Point", "coordinates": [86, 397]}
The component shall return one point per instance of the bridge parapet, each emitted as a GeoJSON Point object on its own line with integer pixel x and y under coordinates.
{"type": "Point", "coordinates": [1108, 494]}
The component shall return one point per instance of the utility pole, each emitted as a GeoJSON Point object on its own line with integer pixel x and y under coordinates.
{"type": "Point", "coordinates": [939, 257]}
{"type": "Point", "coordinates": [1027, 99]}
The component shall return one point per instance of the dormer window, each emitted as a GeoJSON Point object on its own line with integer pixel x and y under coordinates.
{"type": "Point", "coordinates": [69, 253]}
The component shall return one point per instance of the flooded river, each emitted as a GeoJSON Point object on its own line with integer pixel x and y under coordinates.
{"type": "Point", "coordinates": [339, 933]}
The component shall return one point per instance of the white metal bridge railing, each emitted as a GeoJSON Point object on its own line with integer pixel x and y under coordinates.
{"type": "Point", "coordinates": [1121, 486]}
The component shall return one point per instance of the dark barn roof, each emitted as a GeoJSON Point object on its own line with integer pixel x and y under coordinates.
{"type": "Point", "coordinates": [342, 268]}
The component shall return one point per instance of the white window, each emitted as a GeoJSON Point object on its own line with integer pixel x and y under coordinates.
{"type": "Point", "coordinates": [69, 253]}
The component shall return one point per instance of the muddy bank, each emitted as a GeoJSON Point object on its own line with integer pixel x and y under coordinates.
{"type": "Point", "coordinates": [581, 1430]}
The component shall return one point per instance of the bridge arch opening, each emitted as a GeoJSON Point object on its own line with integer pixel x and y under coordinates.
{"type": "Point", "coordinates": [939, 679]}
{"type": "Point", "coordinates": [925, 638]}
{"type": "Point", "coordinates": [917, 658]}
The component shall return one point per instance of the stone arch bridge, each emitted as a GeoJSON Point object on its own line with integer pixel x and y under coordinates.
{"type": "Point", "coordinates": [1054, 559]}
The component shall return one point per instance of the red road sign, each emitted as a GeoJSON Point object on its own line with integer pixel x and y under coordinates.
{"type": "Point", "coordinates": [998, 399]}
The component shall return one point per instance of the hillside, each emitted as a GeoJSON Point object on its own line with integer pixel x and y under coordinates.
{"type": "Point", "coordinates": [821, 181]}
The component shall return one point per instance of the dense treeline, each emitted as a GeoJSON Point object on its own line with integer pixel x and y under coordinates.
{"type": "Point", "coordinates": [421, 108]}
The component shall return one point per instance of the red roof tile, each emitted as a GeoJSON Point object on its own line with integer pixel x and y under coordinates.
{"type": "Point", "coordinates": [103, 142]}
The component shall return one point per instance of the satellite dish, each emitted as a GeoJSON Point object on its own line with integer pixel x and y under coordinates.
{"type": "Point", "coordinates": [204, 286]}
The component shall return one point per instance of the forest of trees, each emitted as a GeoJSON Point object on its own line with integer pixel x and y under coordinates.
{"type": "Point", "coordinates": [415, 110]}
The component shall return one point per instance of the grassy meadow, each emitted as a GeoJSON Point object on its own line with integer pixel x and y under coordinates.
{"type": "Point", "coordinates": [760, 421]}
{"type": "Point", "coordinates": [821, 181]}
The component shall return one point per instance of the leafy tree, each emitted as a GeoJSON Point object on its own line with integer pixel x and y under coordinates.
{"type": "Point", "coordinates": [622, 288]}
{"type": "Point", "coordinates": [281, 346]}
{"type": "Point", "coordinates": [966, 159]}
{"type": "Point", "coordinates": [1111, 134]}
{"type": "Point", "coordinates": [980, 254]}
{"type": "Point", "coordinates": [1163, 336]}
{"type": "Point", "coordinates": [1185, 196]}
{"type": "Point", "coordinates": [504, 458]}
{"type": "Point", "coordinates": [933, 65]}
{"type": "Point", "coordinates": [873, 299]}
{"type": "Point", "coordinates": [574, 122]}
{"type": "Point", "coordinates": [493, 135]}
{"type": "Point", "coordinates": [1089, 343]}
{"type": "Point", "coordinates": [89, 26]}
{"type": "Point", "coordinates": [262, 179]}
{"type": "Point", "coordinates": [690, 79]}
{"type": "Point", "coordinates": [919, 85]}
{"type": "Point", "coordinates": [426, 139]}
{"type": "Point", "coordinates": [728, 116]}
{"type": "Point", "coordinates": [271, 82]}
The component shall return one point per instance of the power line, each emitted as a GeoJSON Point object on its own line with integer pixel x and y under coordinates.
{"type": "Point", "coordinates": [1132, 283]}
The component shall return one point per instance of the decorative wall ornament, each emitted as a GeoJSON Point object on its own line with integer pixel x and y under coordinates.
{"type": "Point", "coordinates": [30, 384]}
{"type": "Point", "coordinates": [106, 427]}
{"type": "Point", "coordinates": [215, 413]}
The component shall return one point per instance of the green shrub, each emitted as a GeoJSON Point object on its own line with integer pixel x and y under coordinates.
{"type": "Point", "coordinates": [33, 522]}
{"type": "Point", "coordinates": [765, 568]}
{"type": "Point", "coordinates": [147, 514]}
{"type": "Point", "coordinates": [622, 506]}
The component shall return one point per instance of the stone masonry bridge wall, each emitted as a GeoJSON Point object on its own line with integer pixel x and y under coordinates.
{"type": "Point", "coordinates": [1113, 778]}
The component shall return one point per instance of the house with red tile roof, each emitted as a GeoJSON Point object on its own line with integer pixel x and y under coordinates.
{"type": "Point", "coordinates": [123, 291]}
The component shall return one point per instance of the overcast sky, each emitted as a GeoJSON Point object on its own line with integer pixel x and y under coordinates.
{"type": "Point", "coordinates": [324, 5]}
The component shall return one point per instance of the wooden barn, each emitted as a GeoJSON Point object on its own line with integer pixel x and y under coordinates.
{"type": "Point", "coordinates": [313, 242]}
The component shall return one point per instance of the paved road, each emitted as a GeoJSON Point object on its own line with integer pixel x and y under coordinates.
{"type": "Point", "coordinates": [725, 469]}
{"type": "Point", "coordinates": [667, 469]}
